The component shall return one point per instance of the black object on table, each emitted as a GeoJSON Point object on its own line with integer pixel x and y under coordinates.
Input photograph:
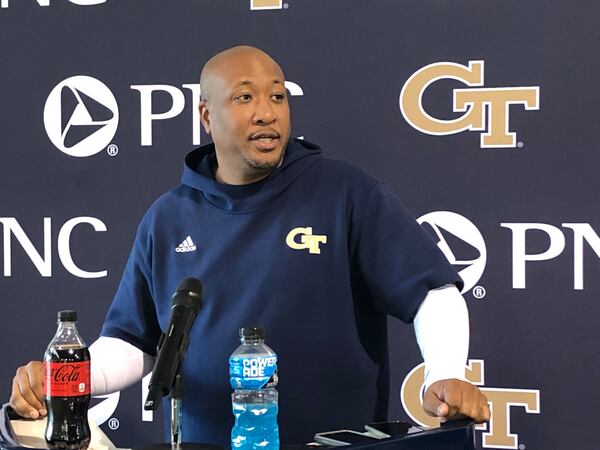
{"type": "Point", "coordinates": [453, 435]}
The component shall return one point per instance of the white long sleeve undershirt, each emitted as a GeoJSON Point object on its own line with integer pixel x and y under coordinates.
{"type": "Point", "coordinates": [116, 365]}
{"type": "Point", "coordinates": [442, 331]}
{"type": "Point", "coordinates": [441, 327]}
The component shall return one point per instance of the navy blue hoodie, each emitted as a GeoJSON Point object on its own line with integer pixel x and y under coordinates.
{"type": "Point", "coordinates": [317, 253]}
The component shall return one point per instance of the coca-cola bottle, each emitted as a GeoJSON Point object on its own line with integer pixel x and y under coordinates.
{"type": "Point", "coordinates": [67, 386]}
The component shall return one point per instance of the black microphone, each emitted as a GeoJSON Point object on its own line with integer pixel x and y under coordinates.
{"type": "Point", "coordinates": [187, 301]}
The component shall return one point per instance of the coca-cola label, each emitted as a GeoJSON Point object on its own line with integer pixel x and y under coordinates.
{"type": "Point", "coordinates": [66, 379]}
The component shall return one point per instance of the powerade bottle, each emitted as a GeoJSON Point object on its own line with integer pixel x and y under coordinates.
{"type": "Point", "coordinates": [253, 376]}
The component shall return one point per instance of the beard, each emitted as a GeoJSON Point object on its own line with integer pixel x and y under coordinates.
{"type": "Point", "coordinates": [263, 165]}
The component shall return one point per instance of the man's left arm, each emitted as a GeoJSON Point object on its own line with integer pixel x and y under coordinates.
{"type": "Point", "coordinates": [442, 331]}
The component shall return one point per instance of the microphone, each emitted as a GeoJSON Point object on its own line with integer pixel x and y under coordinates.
{"type": "Point", "coordinates": [187, 302]}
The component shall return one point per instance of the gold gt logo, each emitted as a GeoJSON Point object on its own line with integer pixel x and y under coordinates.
{"type": "Point", "coordinates": [307, 240]}
{"type": "Point", "coordinates": [472, 101]}
{"type": "Point", "coordinates": [500, 400]}
{"type": "Point", "coordinates": [265, 4]}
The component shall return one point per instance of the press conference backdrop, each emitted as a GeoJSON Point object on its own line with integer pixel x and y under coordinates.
{"type": "Point", "coordinates": [482, 116]}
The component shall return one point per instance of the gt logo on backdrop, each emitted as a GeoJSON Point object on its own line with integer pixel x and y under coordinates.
{"type": "Point", "coordinates": [500, 400]}
{"type": "Point", "coordinates": [265, 4]}
{"type": "Point", "coordinates": [460, 241]}
{"type": "Point", "coordinates": [81, 116]}
{"type": "Point", "coordinates": [472, 101]}
{"type": "Point", "coordinates": [4, 3]}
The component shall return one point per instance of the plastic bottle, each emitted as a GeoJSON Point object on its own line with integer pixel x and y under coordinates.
{"type": "Point", "coordinates": [253, 376]}
{"type": "Point", "coordinates": [67, 386]}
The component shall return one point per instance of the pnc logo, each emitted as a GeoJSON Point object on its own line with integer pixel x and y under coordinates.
{"type": "Point", "coordinates": [500, 400]}
{"type": "Point", "coordinates": [265, 4]}
{"type": "Point", "coordinates": [81, 116]}
{"type": "Point", "coordinates": [473, 101]}
{"type": "Point", "coordinates": [307, 240]}
{"type": "Point", "coordinates": [460, 241]}
{"type": "Point", "coordinates": [12, 230]}
{"type": "Point", "coordinates": [104, 410]}
{"type": "Point", "coordinates": [4, 3]}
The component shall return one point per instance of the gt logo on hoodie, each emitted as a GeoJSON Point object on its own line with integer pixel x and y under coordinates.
{"type": "Point", "coordinates": [307, 240]}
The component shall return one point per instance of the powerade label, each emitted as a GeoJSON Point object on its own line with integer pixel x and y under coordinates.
{"type": "Point", "coordinates": [66, 379]}
{"type": "Point", "coordinates": [252, 372]}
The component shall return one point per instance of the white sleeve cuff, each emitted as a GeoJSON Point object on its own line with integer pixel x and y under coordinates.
{"type": "Point", "coordinates": [116, 365]}
{"type": "Point", "coordinates": [442, 331]}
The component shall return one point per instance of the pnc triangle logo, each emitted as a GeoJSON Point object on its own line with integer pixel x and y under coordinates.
{"type": "Point", "coordinates": [102, 411]}
{"type": "Point", "coordinates": [460, 241]}
{"type": "Point", "coordinates": [81, 116]}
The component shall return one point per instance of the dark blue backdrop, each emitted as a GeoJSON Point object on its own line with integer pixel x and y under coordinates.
{"type": "Point", "coordinates": [532, 287]}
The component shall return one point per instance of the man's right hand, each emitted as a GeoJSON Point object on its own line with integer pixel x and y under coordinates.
{"type": "Point", "coordinates": [27, 398]}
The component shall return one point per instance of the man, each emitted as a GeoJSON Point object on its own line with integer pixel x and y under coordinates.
{"type": "Point", "coordinates": [314, 250]}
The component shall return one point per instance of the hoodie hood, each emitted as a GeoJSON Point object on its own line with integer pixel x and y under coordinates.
{"type": "Point", "coordinates": [198, 174]}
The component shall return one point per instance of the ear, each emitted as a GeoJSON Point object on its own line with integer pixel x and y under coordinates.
{"type": "Point", "coordinates": [204, 115]}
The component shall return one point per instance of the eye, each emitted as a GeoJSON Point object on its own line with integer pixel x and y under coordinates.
{"type": "Point", "coordinates": [244, 98]}
{"type": "Point", "coordinates": [279, 97]}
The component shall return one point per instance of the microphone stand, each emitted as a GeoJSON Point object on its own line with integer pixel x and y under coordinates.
{"type": "Point", "coordinates": [171, 350]}
{"type": "Point", "coordinates": [176, 394]}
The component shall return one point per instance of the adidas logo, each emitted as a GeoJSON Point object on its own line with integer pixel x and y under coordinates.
{"type": "Point", "coordinates": [186, 246]}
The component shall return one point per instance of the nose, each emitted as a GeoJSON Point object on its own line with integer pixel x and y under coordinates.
{"type": "Point", "coordinates": [264, 113]}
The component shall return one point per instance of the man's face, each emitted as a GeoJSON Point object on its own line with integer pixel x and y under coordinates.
{"type": "Point", "coordinates": [247, 114]}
